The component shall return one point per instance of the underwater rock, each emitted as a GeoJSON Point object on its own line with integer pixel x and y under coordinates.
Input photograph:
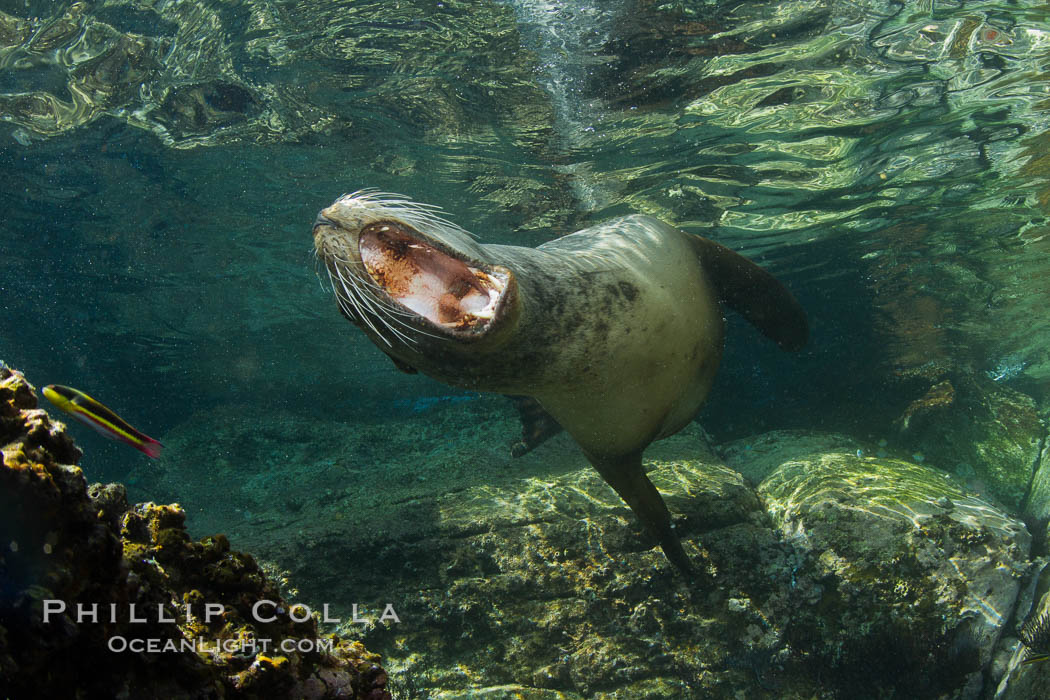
{"type": "Point", "coordinates": [920, 576]}
{"type": "Point", "coordinates": [757, 456]}
{"type": "Point", "coordinates": [1024, 681]}
{"type": "Point", "coordinates": [549, 587]}
{"type": "Point", "coordinates": [1037, 504]}
{"type": "Point", "coordinates": [940, 396]}
{"type": "Point", "coordinates": [529, 578]}
{"type": "Point", "coordinates": [99, 599]}
{"type": "Point", "coordinates": [988, 434]}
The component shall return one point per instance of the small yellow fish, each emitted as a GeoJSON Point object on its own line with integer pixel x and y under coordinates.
{"type": "Point", "coordinates": [88, 410]}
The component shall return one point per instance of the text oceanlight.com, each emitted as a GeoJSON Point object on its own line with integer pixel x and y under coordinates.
{"type": "Point", "coordinates": [136, 645]}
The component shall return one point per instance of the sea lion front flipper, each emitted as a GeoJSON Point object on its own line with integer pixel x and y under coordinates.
{"type": "Point", "coordinates": [754, 293]}
{"type": "Point", "coordinates": [401, 364]}
{"type": "Point", "coordinates": [537, 426]}
{"type": "Point", "coordinates": [627, 477]}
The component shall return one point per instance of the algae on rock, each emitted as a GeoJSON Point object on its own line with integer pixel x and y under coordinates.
{"type": "Point", "coordinates": [829, 575]}
{"type": "Point", "coordinates": [68, 548]}
{"type": "Point", "coordinates": [989, 435]}
{"type": "Point", "coordinates": [912, 563]}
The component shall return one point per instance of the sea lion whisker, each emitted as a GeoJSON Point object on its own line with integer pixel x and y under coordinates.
{"type": "Point", "coordinates": [382, 308]}
{"type": "Point", "coordinates": [346, 300]}
{"type": "Point", "coordinates": [395, 314]}
{"type": "Point", "coordinates": [317, 273]}
{"type": "Point", "coordinates": [370, 294]}
{"type": "Point", "coordinates": [378, 300]}
{"type": "Point", "coordinates": [380, 297]}
{"type": "Point", "coordinates": [361, 303]}
{"type": "Point", "coordinates": [378, 311]}
{"type": "Point", "coordinates": [351, 298]}
{"type": "Point", "coordinates": [420, 216]}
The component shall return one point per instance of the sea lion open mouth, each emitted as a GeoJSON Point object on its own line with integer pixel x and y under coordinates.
{"type": "Point", "coordinates": [405, 274]}
{"type": "Point", "coordinates": [444, 290]}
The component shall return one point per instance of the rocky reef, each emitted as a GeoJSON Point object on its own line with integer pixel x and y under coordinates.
{"type": "Point", "coordinates": [839, 575]}
{"type": "Point", "coordinates": [99, 598]}
{"type": "Point", "coordinates": [826, 567]}
{"type": "Point", "coordinates": [988, 434]}
{"type": "Point", "coordinates": [1021, 680]}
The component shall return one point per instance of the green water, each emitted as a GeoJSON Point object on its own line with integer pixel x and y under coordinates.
{"type": "Point", "coordinates": [163, 162]}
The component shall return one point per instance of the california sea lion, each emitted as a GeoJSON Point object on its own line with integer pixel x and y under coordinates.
{"type": "Point", "coordinates": [616, 330]}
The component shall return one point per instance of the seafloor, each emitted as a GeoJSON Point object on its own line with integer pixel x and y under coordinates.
{"type": "Point", "coordinates": [828, 566]}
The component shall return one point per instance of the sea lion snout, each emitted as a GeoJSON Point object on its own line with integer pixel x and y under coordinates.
{"type": "Point", "coordinates": [322, 220]}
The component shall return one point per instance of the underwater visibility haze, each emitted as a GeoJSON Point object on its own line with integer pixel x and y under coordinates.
{"type": "Point", "coordinates": [866, 517]}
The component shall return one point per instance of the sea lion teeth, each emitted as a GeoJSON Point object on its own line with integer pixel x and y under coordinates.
{"type": "Point", "coordinates": [613, 333]}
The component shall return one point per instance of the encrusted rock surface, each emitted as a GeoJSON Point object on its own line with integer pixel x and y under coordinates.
{"type": "Point", "coordinates": [907, 560]}
{"type": "Point", "coordinates": [758, 456]}
{"type": "Point", "coordinates": [847, 572]}
{"type": "Point", "coordinates": [840, 576]}
{"type": "Point", "coordinates": [63, 544]}
{"type": "Point", "coordinates": [988, 434]}
{"type": "Point", "coordinates": [1037, 503]}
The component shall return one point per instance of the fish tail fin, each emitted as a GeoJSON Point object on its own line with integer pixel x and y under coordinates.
{"type": "Point", "coordinates": [627, 477]}
{"type": "Point", "coordinates": [151, 447]}
{"type": "Point", "coordinates": [754, 294]}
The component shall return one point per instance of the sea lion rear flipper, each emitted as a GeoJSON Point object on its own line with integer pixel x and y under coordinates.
{"type": "Point", "coordinates": [537, 426]}
{"type": "Point", "coordinates": [754, 293]}
{"type": "Point", "coordinates": [627, 477]}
